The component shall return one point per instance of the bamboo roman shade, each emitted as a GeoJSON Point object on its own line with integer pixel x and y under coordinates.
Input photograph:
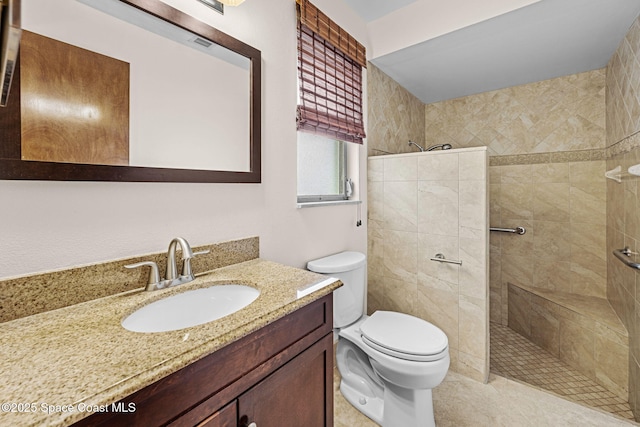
{"type": "Point", "coordinates": [330, 65]}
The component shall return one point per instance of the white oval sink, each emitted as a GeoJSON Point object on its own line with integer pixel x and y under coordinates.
{"type": "Point", "coordinates": [190, 308]}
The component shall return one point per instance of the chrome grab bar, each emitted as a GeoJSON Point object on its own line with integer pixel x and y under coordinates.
{"type": "Point", "coordinates": [441, 258]}
{"type": "Point", "coordinates": [624, 255]}
{"type": "Point", "coordinates": [517, 230]}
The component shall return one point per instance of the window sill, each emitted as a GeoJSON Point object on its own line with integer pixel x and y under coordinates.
{"type": "Point", "coordinates": [302, 205]}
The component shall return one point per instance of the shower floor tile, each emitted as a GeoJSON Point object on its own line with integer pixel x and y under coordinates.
{"type": "Point", "coordinates": [515, 357]}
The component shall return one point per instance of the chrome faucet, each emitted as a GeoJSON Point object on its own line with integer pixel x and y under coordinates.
{"type": "Point", "coordinates": [187, 254]}
{"type": "Point", "coordinates": [171, 277]}
{"type": "Point", "coordinates": [417, 145]}
{"type": "Point", "coordinates": [441, 146]}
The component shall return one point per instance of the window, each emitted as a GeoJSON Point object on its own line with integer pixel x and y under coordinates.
{"type": "Point", "coordinates": [322, 168]}
{"type": "Point", "coordinates": [329, 112]}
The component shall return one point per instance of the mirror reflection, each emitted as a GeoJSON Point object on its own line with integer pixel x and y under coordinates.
{"type": "Point", "coordinates": [188, 97]}
{"type": "Point", "coordinates": [130, 90]}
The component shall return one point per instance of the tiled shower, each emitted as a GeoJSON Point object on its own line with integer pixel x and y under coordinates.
{"type": "Point", "coordinates": [422, 205]}
{"type": "Point", "coordinates": [549, 145]}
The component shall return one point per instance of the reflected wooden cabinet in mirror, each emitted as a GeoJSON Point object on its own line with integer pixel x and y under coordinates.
{"type": "Point", "coordinates": [131, 90]}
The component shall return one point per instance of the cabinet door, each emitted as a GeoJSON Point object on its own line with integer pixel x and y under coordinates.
{"type": "Point", "coordinates": [225, 417]}
{"type": "Point", "coordinates": [298, 394]}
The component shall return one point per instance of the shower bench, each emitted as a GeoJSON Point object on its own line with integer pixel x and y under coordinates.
{"type": "Point", "coordinates": [582, 331]}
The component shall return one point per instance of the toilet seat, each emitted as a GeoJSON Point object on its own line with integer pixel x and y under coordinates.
{"type": "Point", "coordinates": [403, 336]}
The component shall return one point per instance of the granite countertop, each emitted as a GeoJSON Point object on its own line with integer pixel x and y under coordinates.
{"type": "Point", "coordinates": [61, 366]}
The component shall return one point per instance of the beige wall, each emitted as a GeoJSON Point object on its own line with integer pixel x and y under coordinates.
{"type": "Point", "coordinates": [395, 116]}
{"type": "Point", "coordinates": [623, 214]}
{"type": "Point", "coordinates": [562, 206]}
{"type": "Point", "coordinates": [557, 115]}
{"type": "Point", "coordinates": [422, 204]}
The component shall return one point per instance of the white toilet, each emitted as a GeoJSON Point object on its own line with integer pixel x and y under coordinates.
{"type": "Point", "coordinates": [389, 361]}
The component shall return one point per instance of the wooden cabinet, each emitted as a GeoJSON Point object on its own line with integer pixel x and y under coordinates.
{"type": "Point", "coordinates": [294, 395]}
{"type": "Point", "coordinates": [225, 417]}
{"type": "Point", "coordinates": [280, 375]}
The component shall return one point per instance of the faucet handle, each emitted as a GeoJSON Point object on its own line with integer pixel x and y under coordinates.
{"type": "Point", "coordinates": [154, 273]}
{"type": "Point", "coordinates": [186, 265]}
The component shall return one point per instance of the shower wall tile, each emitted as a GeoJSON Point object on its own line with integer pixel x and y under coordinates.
{"type": "Point", "coordinates": [375, 201]}
{"type": "Point", "coordinates": [400, 205]}
{"type": "Point", "coordinates": [545, 329]}
{"type": "Point", "coordinates": [375, 293]}
{"type": "Point", "coordinates": [472, 327]}
{"type": "Point", "coordinates": [551, 201]}
{"type": "Point", "coordinates": [375, 170]}
{"type": "Point", "coordinates": [472, 167]}
{"type": "Point", "coordinates": [473, 205]}
{"type": "Point", "coordinates": [608, 370]}
{"type": "Point", "coordinates": [400, 169]}
{"type": "Point", "coordinates": [438, 204]}
{"type": "Point", "coordinates": [561, 114]}
{"type": "Point", "coordinates": [471, 366]}
{"type": "Point", "coordinates": [437, 302]}
{"type": "Point", "coordinates": [400, 295]}
{"type": "Point", "coordinates": [517, 269]}
{"type": "Point", "coordinates": [550, 173]}
{"type": "Point", "coordinates": [473, 277]}
{"type": "Point", "coordinates": [516, 201]}
{"type": "Point", "coordinates": [552, 274]}
{"type": "Point", "coordinates": [623, 89]}
{"type": "Point", "coordinates": [395, 116]}
{"type": "Point", "coordinates": [586, 171]}
{"type": "Point", "coordinates": [400, 250]}
{"type": "Point", "coordinates": [563, 208]}
{"type": "Point", "coordinates": [520, 311]}
{"type": "Point", "coordinates": [439, 167]}
{"type": "Point", "coordinates": [495, 280]}
{"type": "Point", "coordinates": [576, 347]}
{"type": "Point", "coordinates": [589, 202]}
{"type": "Point", "coordinates": [622, 200]}
{"type": "Point", "coordinates": [426, 209]}
{"type": "Point", "coordinates": [495, 212]}
{"type": "Point", "coordinates": [552, 241]}
{"type": "Point", "coordinates": [375, 254]}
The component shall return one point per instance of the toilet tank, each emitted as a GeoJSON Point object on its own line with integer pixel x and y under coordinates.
{"type": "Point", "coordinates": [348, 300]}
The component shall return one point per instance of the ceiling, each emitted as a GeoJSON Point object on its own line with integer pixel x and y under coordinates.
{"type": "Point", "coordinates": [543, 40]}
{"type": "Point", "coordinates": [370, 10]}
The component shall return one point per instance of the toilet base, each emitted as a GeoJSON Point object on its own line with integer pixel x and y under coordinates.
{"type": "Point", "coordinates": [405, 407]}
{"type": "Point", "coordinates": [382, 401]}
{"type": "Point", "coordinates": [370, 406]}
{"type": "Point", "coordinates": [401, 409]}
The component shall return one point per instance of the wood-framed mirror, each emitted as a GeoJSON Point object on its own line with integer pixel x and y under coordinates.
{"type": "Point", "coordinates": [210, 128]}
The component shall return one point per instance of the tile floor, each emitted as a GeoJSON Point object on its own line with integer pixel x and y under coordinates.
{"type": "Point", "coordinates": [515, 357]}
{"type": "Point", "coordinates": [460, 402]}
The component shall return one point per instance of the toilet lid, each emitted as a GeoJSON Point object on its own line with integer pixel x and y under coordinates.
{"type": "Point", "coordinates": [404, 336]}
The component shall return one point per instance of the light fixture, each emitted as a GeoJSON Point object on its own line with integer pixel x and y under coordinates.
{"type": "Point", "coordinates": [219, 5]}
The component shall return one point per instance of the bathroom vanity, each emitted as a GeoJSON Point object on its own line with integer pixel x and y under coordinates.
{"type": "Point", "coordinates": [280, 375]}
{"type": "Point", "coordinates": [270, 363]}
